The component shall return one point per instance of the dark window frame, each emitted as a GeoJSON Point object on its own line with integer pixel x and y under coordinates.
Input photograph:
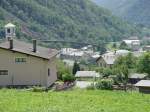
{"type": "Point", "coordinates": [49, 72]}
{"type": "Point", "coordinates": [3, 72]}
{"type": "Point", "coordinates": [20, 60]}
{"type": "Point", "coordinates": [8, 30]}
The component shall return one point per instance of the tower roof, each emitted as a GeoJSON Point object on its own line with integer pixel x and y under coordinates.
{"type": "Point", "coordinates": [9, 25]}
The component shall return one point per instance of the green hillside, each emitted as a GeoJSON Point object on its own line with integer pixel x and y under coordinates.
{"type": "Point", "coordinates": [135, 11]}
{"type": "Point", "coordinates": [75, 20]}
{"type": "Point", "coordinates": [118, 7]}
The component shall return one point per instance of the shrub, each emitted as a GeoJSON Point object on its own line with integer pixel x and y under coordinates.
{"type": "Point", "coordinates": [68, 78]}
{"type": "Point", "coordinates": [107, 72]}
{"type": "Point", "coordinates": [62, 69]}
{"type": "Point", "coordinates": [105, 84]}
{"type": "Point", "coordinates": [61, 72]}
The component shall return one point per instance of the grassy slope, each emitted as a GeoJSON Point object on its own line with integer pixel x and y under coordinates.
{"type": "Point", "coordinates": [73, 101]}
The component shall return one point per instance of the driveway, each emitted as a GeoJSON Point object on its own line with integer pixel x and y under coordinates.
{"type": "Point", "coordinates": [83, 84]}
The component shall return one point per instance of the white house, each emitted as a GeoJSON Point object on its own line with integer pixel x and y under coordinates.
{"type": "Point", "coordinates": [133, 44]}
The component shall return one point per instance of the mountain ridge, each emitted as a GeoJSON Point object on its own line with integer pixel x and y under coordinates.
{"type": "Point", "coordinates": [135, 11]}
{"type": "Point", "coordinates": [77, 20]}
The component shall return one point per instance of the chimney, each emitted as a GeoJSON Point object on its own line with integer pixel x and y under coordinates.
{"type": "Point", "coordinates": [34, 45]}
{"type": "Point", "coordinates": [11, 46]}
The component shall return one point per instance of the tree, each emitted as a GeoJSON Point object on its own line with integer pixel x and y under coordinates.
{"type": "Point", "coordinates": [144, 63]}
{"type": "Point", "coordinates": [106, 72]}
{"type": "Point", "coordinates": [128, 60]}
{"type": "Point", "coordinates": [76, 68]}
{"type": "Point", "coordinates": [122, 66]}
{"type": "Point", "coordinates": [68, 77]}
{"type": "Point", "coordinates": [114, 45]}
{"type": "Point", "coordinates": [123, 45]}
{"type": "Point", "coordinates": [122, 73]}
{"type": "Point", "coordinates": [62, 69]}
{"type": "Point", "coordinates": [125, 76]}
{"type": "Point", "coordinates": [102, 48]}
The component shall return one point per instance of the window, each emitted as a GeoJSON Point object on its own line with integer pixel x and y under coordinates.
{"type": "Point", "coordinates": [49, 72]}
{"type": "Point", "coordinates": [3, 72]}
{"type": "Point", "coordinates": [8, 30]}
{"type": "Point", "coordinates": [20, 60]}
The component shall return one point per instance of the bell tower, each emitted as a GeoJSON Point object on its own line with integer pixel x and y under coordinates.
{"type": "Point", "coordinates": [10, 31]}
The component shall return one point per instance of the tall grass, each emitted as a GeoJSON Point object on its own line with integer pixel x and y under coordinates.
{"type": "Point", "coordinates": [73, 101]}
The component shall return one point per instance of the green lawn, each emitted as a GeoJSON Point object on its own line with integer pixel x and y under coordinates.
{"type": "Point", "coordinates": [73, 101]}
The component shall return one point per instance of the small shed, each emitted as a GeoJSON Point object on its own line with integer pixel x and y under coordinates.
{"type": "Point", "coordinates": [87, 75]}
{"type": "Point", "coordinates": [136, 77]}
{"type": "Point", "coordinates": [144, 86]}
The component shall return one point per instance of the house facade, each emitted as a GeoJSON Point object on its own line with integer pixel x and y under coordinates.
{"type": "Point", "coordinates": [106, 60]}
{"type": "Point", "coordinates": [133, 44]}
{"type": "Point", "coordinates": [19, 67]}
{"type": "Point", "coordinates": [24, 64]}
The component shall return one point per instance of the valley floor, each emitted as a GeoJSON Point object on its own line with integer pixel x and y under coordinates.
{"type": "Point", "coordinates": [73, 101]}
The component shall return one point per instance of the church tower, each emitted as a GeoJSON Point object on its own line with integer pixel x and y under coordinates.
{"type": "Point", "coordinates": [10, 31]}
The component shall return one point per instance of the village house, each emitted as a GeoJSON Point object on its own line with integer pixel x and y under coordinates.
{"type": "Point", "coordinates": [88, 49]}
{"type": "Point", "coordinates": [146, 48]}
{"type": "Point", "coordinates": [72, 54]}
{"type": "Point", "coordinates": [108, 59]}
{"type": "Point", "coordinates": [133, 44]}
{"type": "Point", "coordinates": [136, 77]}
{"type": "Point", "coordinates": [25, 64]}
{"type": "Point", "coordinates": [144, 86]}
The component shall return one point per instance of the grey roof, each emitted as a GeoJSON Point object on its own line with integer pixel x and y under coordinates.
{"type": "Point", "coordinates": [109, 61]}
{"type": "Point", "coordinates": [137, 76]}
{"type": "Point", "coordinates": [109, 58]}
{"type": "Point", "coordinates": [27, 48]}
{"type": "Point", "coordinates": [143, 83]}
{"type": "Point", "coordinates": [87, 74]}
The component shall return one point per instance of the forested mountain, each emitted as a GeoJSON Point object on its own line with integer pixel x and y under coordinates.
{"type": "Point", "coordinates": [135, 11]}
{"type": "Point", "coordinates": [76, 20]}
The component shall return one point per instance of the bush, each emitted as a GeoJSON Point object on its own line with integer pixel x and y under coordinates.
{"type": "Point", "coordinates": [68, 78]}
{"type": "Point", "coordinates": [107, 72]}
{"type": "Point", "coordinates": [61, 72]}
{"type": "Point", "coordinates": [105, 84]}
{"type": "Point", "coordinates": [62, 69]}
